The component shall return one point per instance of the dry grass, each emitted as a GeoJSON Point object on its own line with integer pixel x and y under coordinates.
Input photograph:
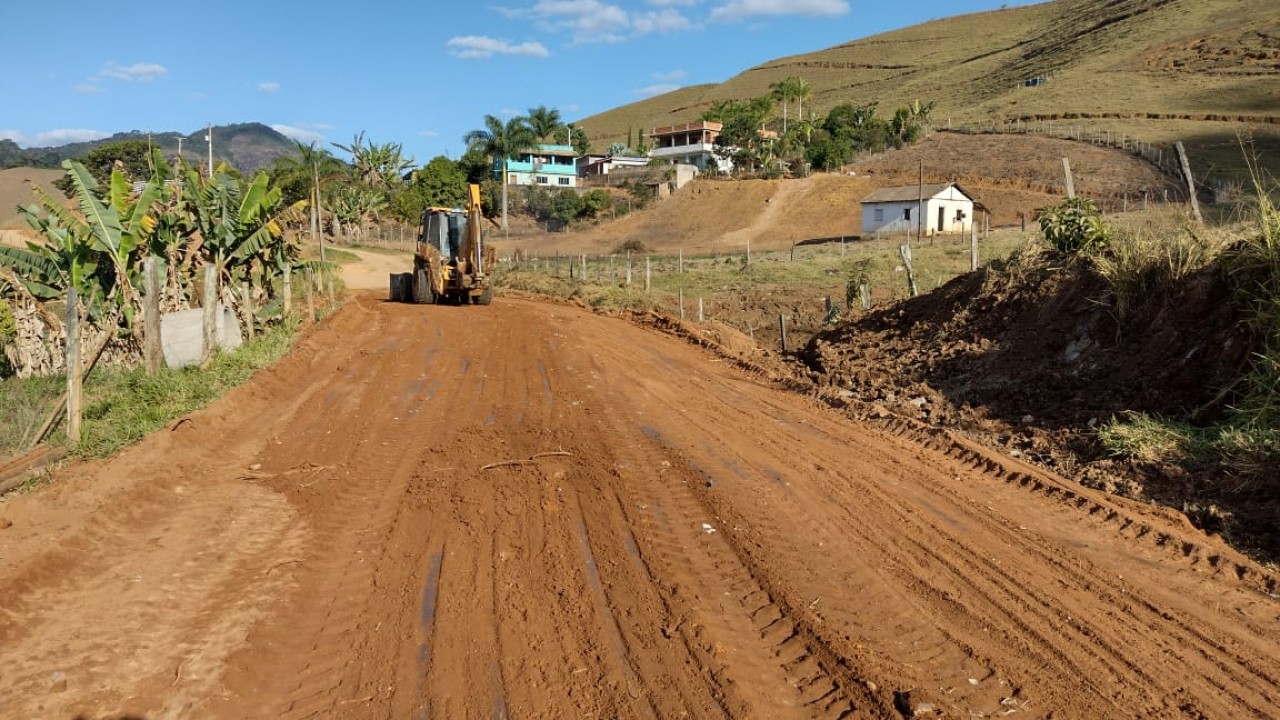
{"type": "Point", "coordinates": [1114, 62]}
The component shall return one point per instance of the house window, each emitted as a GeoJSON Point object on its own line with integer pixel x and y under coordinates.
{"type": "Point", "coordinates": [879, 215]}
{"type": "Point", "coordinates": [542, 179]}
{"type": "Point", "coordinates": [906, 213]}
{"type": "Point", "coordinates": [564, 181]}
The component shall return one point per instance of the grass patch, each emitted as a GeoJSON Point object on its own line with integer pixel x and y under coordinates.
{"type": "Point", "coordinates": [719, 278]}
{"type": "Point", "coordinates": [122, 405]}
{"type": "Point", "coordinates": [24, 403]}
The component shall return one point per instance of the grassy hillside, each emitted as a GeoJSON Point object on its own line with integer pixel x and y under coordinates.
{"type": "Point", "coordinates": [1136, 65]}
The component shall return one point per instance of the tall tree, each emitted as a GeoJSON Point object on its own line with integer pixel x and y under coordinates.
{"type": "Point", "coordinates": [380, 167]}
{"type": "Point", "coordinates": [501, 141]}
{"type": "Point", "coordinates": [545, 121]}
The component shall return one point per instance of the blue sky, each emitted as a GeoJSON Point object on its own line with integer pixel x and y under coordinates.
{"type": "Point", "coordinates": [420, 74]}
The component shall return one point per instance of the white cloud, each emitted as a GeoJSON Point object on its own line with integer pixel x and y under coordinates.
{"type": "Point", "coordinates": [298, 133]}
{"type": "Point", "coordinates": [14, 135]}
{"type": "Point", "coordinates": [597, 21]}
{"type": "Point", "coordinates": [742, 9]}
{"type": "Point", "coordinates": [478, 46]}
{"type": "Point", "coordinates": [663, 21]}
{"type": "Point", "coordinates": [88, 89]}
{"type": "Point", "coordinates": [509, 112]}
{"type": "Point", "coordinates": [270, 86]}
{"type": "Point", "coordinates": [54, 138]}
{"type": "Point", "coordinates": [670, 77]}
{"type": "Point", "coordinates": [652, 90]}
{"type": "Point", "coordinates": [428, 133]}
{"type": "Point", "coordinates": [137, 71]}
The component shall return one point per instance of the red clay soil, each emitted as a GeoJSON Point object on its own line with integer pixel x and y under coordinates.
{"type": "Point", "coordinates": [1030, 357]}
{"type": "Point", "coordinates": [532, 511]}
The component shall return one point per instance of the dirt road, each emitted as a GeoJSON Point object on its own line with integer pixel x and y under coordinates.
{"type": "Point", "coordinates": [530, 511]}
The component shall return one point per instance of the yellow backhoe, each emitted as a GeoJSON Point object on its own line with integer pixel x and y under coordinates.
{"type": "Point", "coordinates": [450, 261]}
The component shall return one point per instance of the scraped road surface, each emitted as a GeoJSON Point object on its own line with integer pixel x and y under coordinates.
{"type": "Point", "coordinates": [530, 511]}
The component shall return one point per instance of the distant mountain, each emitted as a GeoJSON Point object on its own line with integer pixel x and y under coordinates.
{"type": "Point", "coordinates": [246, 146]}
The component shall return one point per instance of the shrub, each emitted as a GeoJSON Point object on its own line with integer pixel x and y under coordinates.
{"type": "Point", "coordinates": [1074, 226]}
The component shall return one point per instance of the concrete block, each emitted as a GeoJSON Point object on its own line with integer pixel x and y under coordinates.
{"type": "Point", "coordinates": [180, 335]}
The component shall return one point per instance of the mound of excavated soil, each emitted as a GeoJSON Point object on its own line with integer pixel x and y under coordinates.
{"type": "Point", "coordinates": [1031, 357]}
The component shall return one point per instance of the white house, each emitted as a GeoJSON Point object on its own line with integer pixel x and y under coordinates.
{"type": "Point", "coordinates": [690, 144]}
{"type": "Point", "coordinates": [947, 209]}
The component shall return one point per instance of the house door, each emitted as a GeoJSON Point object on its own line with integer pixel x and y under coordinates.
{"type": "Point", "coordinates": [941, 217]}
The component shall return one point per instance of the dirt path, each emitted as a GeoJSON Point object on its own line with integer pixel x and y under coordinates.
{"type": "Point", "coordinates": [530, 511]}
{"type": "Point", "coordinates": [374, 268]}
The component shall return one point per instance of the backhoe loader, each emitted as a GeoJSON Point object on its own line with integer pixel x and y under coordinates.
{"type": "Point", "coordinates": [450, 260]}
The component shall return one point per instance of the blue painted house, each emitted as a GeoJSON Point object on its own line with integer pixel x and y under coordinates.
{"type": "Point", "coordinates": [552, 166]}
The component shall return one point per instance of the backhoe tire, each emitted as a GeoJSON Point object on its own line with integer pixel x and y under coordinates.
{"type": "Point", "coordinates": [485, 297]}
{"type": "Point", "coordinates": [423, 294]}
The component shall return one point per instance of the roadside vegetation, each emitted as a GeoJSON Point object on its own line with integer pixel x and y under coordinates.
{"type": "Point", "coordinates": [180, 219]}
{"type": "Point", "coordinates": [794, 282]}
{"type": "Point", "coordinates": [1145, 261]}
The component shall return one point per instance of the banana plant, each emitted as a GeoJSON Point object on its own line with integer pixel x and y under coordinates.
{"type": "Point", "coordinates": [239, 227]}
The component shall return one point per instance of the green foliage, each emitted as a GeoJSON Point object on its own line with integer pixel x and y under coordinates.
{"type": "Point", "coordinates": [544, 122]}
{"type": "Point", "coordinates": [572, 135]}
{"type": "Point", "coordinates": [133, 157]}
{"type": "Point", "coordinates": [122, 405]}
{"type": "Point", "coordinates": [594, 203]}
{"type": "Point", "coordinates": [1074, 226]}
{"type": "Point", "coordinates": [440, 183]}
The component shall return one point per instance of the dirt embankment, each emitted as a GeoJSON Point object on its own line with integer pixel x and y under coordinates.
{"type": "Point", "coordinates": [1030, 357]}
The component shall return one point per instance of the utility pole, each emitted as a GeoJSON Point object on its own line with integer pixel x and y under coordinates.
{"type": "Point", "coordinates": [315, 205]}
{"type": "Point", "coordinates": [920, 204]}
{"type": "Point", "coordinates": [209, 137]}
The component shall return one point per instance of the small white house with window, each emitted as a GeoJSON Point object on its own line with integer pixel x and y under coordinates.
{"type": "Point", "coordinates": [947, 208]}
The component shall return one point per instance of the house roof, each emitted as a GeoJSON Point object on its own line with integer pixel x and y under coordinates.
{"type": "Point", "coordinates": [906, 193]}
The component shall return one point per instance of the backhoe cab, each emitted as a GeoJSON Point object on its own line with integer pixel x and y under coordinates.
{"type": "Point", "coordinates": [450, 260]}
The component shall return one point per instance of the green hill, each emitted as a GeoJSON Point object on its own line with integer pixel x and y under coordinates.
{"type": "Point", "coordinates": [1157, 69]}
{"type": "Point", "coordinates": [246, 146]}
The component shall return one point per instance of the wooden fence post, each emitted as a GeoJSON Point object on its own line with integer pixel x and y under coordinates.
{"type": "Point", "coordinates": [209, 323]}
{"type": "Point", "coordinates": [699, 308]}
{"type": "Point", "coordinates": [152, 351]}
{"type": "Point", "coordinates": [864, 294]}
{"type": "Point", "coordinates": [682, 304]}
{"type": "Point", "coordinates": [1191, 182]}
{"type": "Point", "coordinates": [905, 250]}
{"type": "Point", "coordinates": [287, 282]}
{"type": "Point", "coordinates": [646, 273]}
{"type": "Point", "coordinates": [246, 309]}
{"type": "Point", "coordinates": [1066, 172]}
{"type": "Point", "coordinates": [628, 270]}
{"type": "Point", "coordinates": [973, 247]}
{"type": "Point", "coordinates": [680, 262]}
{"type": "Point", "coordinates": [75, 395]}
{"type": "Point", "coordinates": [782, 330]}
{"type": "Point", "coordinates": [311, 302]}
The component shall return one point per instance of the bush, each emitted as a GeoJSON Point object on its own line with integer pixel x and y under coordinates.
{"type": "Point", "coordinates": [630, 246]}
{"type": "Point", "coordinates": [1074, 226]}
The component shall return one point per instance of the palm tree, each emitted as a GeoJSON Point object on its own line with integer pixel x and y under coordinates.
{"type": "Point", "coordinates": [801, 90]}
{"type": "Point", "coordinates": [783, 91]}
{"type": "Point", "coordinates": [545, 121]}
{"type": "Point", "coordinates": [500, 141]}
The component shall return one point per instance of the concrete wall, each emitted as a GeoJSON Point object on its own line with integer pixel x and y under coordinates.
{"type": "Point", "coordinates": [181, 335]}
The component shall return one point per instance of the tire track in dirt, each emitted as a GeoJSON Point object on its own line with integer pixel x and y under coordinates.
{"type": "Point", "coordinates": [534, 512]}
